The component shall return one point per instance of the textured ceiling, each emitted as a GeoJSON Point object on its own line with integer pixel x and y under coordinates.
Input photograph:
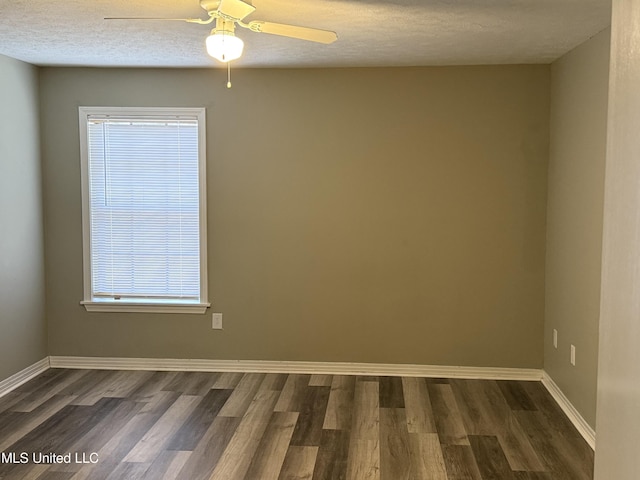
{"type": "Point", "coordinates": [370, 32]}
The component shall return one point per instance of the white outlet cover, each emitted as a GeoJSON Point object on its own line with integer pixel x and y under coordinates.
{"type": "Point", "coordinates": [216, 321]}
{"type": "Point", "coordinates": [573, 355]}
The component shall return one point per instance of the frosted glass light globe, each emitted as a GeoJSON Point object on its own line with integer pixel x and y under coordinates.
{"type": "Point", "coordinates": [224, 46]}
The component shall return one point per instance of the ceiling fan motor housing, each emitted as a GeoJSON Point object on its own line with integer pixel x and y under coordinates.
{"type": "Point", "coordinates": [210, 5]}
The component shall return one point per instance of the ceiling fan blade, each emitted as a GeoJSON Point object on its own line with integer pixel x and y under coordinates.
{"type": "Point", "coordinates": [189, 20]}
{"type": "Point", "coordinates": [236, 9]}
{"type": "Point", "coordinates": [149, 18]}
{"type": "Point", "coordinates": [303, 33]}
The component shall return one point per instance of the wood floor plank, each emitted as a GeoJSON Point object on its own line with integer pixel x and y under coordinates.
{"type": "Point", "coordinates": [126, 382]}
{"type": "Point", "coordinates": [270, 455]}
{"type": "Point", "coordinates": [49, 475]}
{"type": "Point", "coordinates": [460, 463]}
{"type": "Point", "coordinates": [33, 474]}
{"type": "Point", "coordinates": [96, 438]}
{"type": "Point", "coordinates": [236, 458]}
{"type": "Point", "coordinates": [533, 476]}
{"type": "Point", "coordinates": [109, 380]}
{"type": "Point", "coordinates": [364, 459]}
{"type": "Point", "coordinates": [483, 409]}
{"type": "Point", "coordinates": [207, 453]}
{"type": "Point", "coordinates": [194, 428]}
{"type": "Point", "coordinates": [299, 463]}
{"type": "Point", "coordinates": [436, 380]}
{"type": "Point", "coordinates": [497, 408]}
{"type": "Point", "coordinates": [363, 462]}
{"type": "Point", "coordinates": [292, 397]}
{"type": "Point", "coordinates": [518, 450]}
{"type": "Point", "coordinates": [92, 380]}
{"type": "Point", "coordinates": [366, 413]}
{"type": "Point", "coordinates": [395, 453]}
{"type": "Point", "coordinates": [130, 471]}
{"type": "Point", "coordinates": [228, 380]}
{"type": "Point", "coordinates": [557, 455]}
{"type": "Point", "coordinates": [308, 428]}
{"type": "Point", "coordinates": [339, 407]}
{"type": "Point", "coordinates": [447, 417]}
{"type": "Point", "coordinates": [558, 423]}
{"type": "Point", "coordinates": [24, 423]}
{"type": "Point", "coordinates": [125, 439]}
{"type": "Point", "coordinates": [47, 390]}
{"type": "Point", "coordinates": [516, 396]}
{"type": "Point", "coordinates": [331, 460]}
{"type": "Point", "coordinates": [41, 380]}
{"type": "Point", "coordinates": [153, 441]}
{"type": "Point", "coordinates": [274, 381]}
{"type": "Point", "coordinates": [10, 399]}
{"type": "Point", "coordinates": [242, 395]}
{"type": "Point", "coordinates": [426, 460]}
{"type": "Point", "coordinates": [60, 431]}
{"type": "Point", "coordinates": [176, 465]}
{"type": "Point", "coordinates": [490, 458]}
{"type": "Point", "coordinates": [192, 383]}
{"type": "Point", "coordinates": [170, 425]}
{"type": "Point", "coordinates": [320, 380]}
{"type": "Point", "coordinates": [9, 421]}
{"type": "Point", "coordinates": [470, 410]}
{"type": "Point", "coordinates": [543, 400]}
{"type": "Point", "coordinates": [391, 393]}
{"type": "Point", "coordinates": [417, 406]}
{"type": "Point", "coordinates": [151, 386]}
{"type": "Point", "coordinates": [167, 466]}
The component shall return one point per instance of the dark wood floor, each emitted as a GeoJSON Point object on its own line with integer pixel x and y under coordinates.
{"type": "Point", "coordinates": [234, 426]}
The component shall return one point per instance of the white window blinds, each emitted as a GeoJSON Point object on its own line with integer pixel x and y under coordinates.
{"type": "Point", "coordinates": [144, 207]}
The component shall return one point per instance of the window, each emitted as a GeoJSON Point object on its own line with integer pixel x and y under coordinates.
{"type": "Point", "coordinates": [143, 193]}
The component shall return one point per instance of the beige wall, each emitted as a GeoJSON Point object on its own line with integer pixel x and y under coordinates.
{"type": "Point", "coordinates": [22, 327]}
{"type": "Point", "coordinates": [366, 215]}
{"type": "Point", "coordinates": [618, 419]}
{"type": "Point", "coordinates": [579, 88]}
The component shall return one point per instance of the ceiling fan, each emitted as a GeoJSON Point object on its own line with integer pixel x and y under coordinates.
{"type": "Point", "coordinates": [223, 45]}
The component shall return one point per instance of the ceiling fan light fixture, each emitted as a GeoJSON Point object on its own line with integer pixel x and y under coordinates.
{"type": "Point", "coordinates": [224, 45]}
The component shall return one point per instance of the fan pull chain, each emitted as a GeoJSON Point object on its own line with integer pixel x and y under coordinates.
{"type": "Point", "coordinates": [228, 74]}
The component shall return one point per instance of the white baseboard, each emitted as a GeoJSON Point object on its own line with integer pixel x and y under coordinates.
{"type": "Point", "coordinates": [567, 407]}
{"type": "Point", "coordinates": [327, 368]}
{"type": "Point", "coordinates": [23, 376]}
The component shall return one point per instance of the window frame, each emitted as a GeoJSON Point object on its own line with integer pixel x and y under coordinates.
{"type": "Point", "coordinates": [142, 305]}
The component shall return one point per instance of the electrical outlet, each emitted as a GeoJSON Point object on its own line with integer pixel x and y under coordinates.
{"type": "Point", "coordinates": [216, 321]}
{"type": "Point", "coordinates": [573, 355]}
{"type": "Point", "coordinates": [555, 338]}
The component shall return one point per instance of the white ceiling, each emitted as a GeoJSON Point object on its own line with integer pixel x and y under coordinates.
{"type": "Point", "coordinates": [370, 32]}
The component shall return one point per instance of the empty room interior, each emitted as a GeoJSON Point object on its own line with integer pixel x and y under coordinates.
{"type": "Point", "coordinates": [410, 248]}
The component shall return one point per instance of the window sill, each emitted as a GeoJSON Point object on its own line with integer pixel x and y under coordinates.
{"type": "Point", "coordinates": [138, 307]}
